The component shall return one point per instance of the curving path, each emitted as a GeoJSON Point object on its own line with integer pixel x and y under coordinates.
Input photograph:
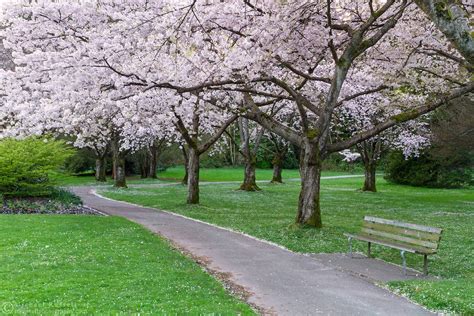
{"type": "Point", "coordinates": [280, 281]}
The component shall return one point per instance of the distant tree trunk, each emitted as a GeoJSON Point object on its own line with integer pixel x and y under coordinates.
{"type": "Point", "coordinates": [186, 163]}
{"type": "Point", "coordinates": [144, 164]}
{"type": "Point", "coordinates": [114, 167]}
{"type": "Point", "coordinates": [153, 156]}
{"type": "Point", "coordinates": [277, 178]}
{"type": "Point", "coordinates": [193, 176]}
{"type": "Point", "coordinates": [309, 208]}
{"type": "Point", "coordinates": [100, 169]}
{"type": "Point", "coordinates": [154, 152]}
{"type": "Point", "coordinates": [250, 183]}
{"type": "Point", "coordinates": [120, 181]}
{"type": "Point", "coordinates": [196, 147]}
{"type": "Point", "coordinates": [119, 165]}
{"type": "Point", "coordinates": [277, 163]}
{"type": "Point", "coordinates": [369, 182]}
{"type": "Point", "coordinates": [233, 150]}
{"type": "Point", "coordinates": [370, 151]}
{"type": "Point", "coordinates": [249, 155]}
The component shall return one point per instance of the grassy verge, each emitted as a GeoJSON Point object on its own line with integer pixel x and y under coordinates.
{"type": "Point", "coordinates": [84, 265]}
{"type": "Point", "coordinates": [268, 214]}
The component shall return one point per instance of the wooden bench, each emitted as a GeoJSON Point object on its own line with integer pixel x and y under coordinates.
{"type": "Point", "coordinates": [405, 237]}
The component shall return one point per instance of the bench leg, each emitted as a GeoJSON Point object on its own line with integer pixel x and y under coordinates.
{"type": "Point", "coordinates": [425, 265]}
{"type": "Point", "coordinates": [368, 250]}
{"type": "Point", "coordinates": [350, 246]}
{"type": "Point", "coordinates": [402, 253]}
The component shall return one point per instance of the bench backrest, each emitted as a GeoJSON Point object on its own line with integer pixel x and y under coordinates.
{"type": "Point", "coordinates": [406, 233]}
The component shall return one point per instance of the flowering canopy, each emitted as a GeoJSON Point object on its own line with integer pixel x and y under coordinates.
{"type": "Point", "coordinates": [139, 70]}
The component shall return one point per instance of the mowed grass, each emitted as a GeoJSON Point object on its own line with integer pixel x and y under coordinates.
{"type": "Point", "coordinates": [90, 265]}
{"type": "Point", "coordinates": [233, 174]}
{"type": "Point", "coordinates": [176, 174]}
{"type": "Point", "coordinates": [64, 179]}
{"type": "Point", "coordinates": [269, 214]}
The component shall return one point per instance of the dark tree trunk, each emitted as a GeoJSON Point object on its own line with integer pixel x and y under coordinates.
{"type": "Point", "coordinates": [153, 156]}
{"type": "Point", "coordinates": [370, 152]}
{"type": "Point", "coordinates": [369, 182]}
{"type": "Point", "coordinates": [309, 211]}
{"type": "Point", "coordinates": [119, 165]}
{"type": "Point", "coordinates": [277, 168]}
{"type": "Point", "coordinates": [193, 176]}
{"type": "Point", "coordinates": [186, 163]}
{"type": "Point", "coordinates": [250, 183]}
{"type": "Point", "coordinates": [120, 181]}
{"type": "Point", "coordinates": [277, 178]}
{"type": "Point", "coordinates": [144, 164]}
{"type": "Point", "coordinates": [100, 169]}
{"type": "Point", "coordinates": [114, 167]}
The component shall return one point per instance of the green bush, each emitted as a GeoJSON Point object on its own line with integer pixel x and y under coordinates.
{"type": "Point", "coordinates": [82, 162]}
{"type": "Point", "coordinates": [427, 170]}
{"type": "Point", "coordinates": [25, 164]}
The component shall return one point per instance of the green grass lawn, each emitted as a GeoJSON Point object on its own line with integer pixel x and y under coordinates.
{"type": "Point", "coordinates": [64, 179]}
{"type": "Point", "coordinates": [269, 214]}
{"type": "Point", "coordinates": [85, 265]}
{"type": "Point", "coordinates": [177, 173]}
{"type": "Point", "coordinates": [233, 174]}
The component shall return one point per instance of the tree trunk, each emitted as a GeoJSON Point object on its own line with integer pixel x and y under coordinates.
{"type": "Point", "coordinates": [369, 182]}
{"type": "Point", "coordinates": [120, 181]}
{"type": "Point", "coordinates": [186, 163]}
{"type": "Point", "coordinates": [100, 169]}
{"type": "Point", "coordinates": [249, 155]}
{"type": "Point", "coordinates": [144, 164]}
{"type": "Point", "coordinates": [193, 176]}
{"type": "Point", "coordinates": [370, 151]}
{"type": "Point", "coordinates": [309, 211]}
{"type": "Point", "coordinates": [119, 166]}
{"type": "Point", "coordinates": [250, 183]}
{"type": "Point", "coordinates": [153, 162]}
{"type": "Point", "coordinates": [114, 167]}
{"type": "Point", "coordinates": [277, 168]}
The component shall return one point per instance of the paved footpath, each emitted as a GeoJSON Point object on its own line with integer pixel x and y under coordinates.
{"type": "Point", "coordinates": [281, 282]}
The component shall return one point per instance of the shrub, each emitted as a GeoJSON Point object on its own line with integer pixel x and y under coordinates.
{"type": "Point", "coordinates": [25, 164]}
{"type": "Point", "coordinates": [428, 170]}
{"type": "Point", "coordinates": [82, 161]}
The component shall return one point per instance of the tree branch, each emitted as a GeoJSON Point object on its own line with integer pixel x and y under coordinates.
{"type": "Point", "coordinates": [206, 145]}
{"type": "Point", "coordinates": [400, 118]}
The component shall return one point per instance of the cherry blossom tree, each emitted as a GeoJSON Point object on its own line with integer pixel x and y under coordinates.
{"type": "Point", "coordinates": [53, 89]}
{"type": "Point", "coordinates": [200, 126]}
{"type": "Point", "coordinates": [248, 144]}
{"type": "Point", "coordinates": [313, 56]}
{"type": "Point", "coordinates": [366, 112]}
{"type": "Point", "coordinates": [321, 51]}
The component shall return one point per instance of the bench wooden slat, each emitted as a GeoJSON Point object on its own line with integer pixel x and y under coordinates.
{"type": "Point", "coordinates": [433, 230]}
{"type": "Point", "coordinates": [405, 231]}
{"type": "Point", "coordinates": [407, 240]}
{"type": "Point", "coordinates": [405, 237]}
{"type": "Point", "coordinates": [399, 246]}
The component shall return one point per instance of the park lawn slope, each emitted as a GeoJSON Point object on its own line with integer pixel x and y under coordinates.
{"type": "Point", "coordinates": [84, 265]}
{"type": "Point", "coordinates": [269, 214]}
